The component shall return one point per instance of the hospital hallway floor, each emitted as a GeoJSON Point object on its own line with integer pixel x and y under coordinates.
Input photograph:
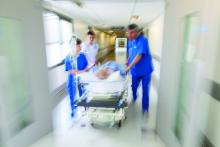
{"type": "Point", "coordinates": [136, 130]}
{"type": "Point", "coordinates": [110, 56]}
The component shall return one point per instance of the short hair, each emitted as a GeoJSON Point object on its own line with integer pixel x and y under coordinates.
{"type": "Point", "coordinates": [90, 32]}
{"type": "Point", "coordinates": [78, 41]}
{"type": "Point", "coordinates": [133, 26]}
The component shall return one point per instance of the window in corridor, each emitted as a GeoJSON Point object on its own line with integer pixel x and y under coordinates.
{"type": "Point", "coordinates": [58, 32]}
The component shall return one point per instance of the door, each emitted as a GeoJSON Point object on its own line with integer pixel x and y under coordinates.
{"type": "Point", "coordinates": [188, 79]}
{"type": "Point", "coordinates": [24, 100]}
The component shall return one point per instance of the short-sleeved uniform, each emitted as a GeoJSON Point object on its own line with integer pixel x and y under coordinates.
{"type": "Point", "coordinates": [142, 70]}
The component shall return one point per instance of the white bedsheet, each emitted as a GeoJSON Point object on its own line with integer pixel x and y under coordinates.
{"type": "Point", "coordinates": [114, 83]}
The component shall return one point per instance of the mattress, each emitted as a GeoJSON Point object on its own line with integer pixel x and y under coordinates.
{"type": "Point", "coordinates": [113, 84]}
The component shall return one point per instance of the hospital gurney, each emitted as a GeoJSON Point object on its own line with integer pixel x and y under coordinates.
{"type": "Point", "coordinates": [105, 102]}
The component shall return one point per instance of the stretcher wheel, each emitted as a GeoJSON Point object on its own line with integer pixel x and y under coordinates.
{"type": "Point", "coordinates": [119, 124]}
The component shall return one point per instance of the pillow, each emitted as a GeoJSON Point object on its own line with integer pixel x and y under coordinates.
{"type": "Point", "coordinates": [115, 76]}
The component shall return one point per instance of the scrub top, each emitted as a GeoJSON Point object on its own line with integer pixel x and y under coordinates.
{"type": "Point", "coordinates": [71, 64]}
{"type": "Point", "coordinates": [90, 50]}
{"type": "Point", "coordinates": [140, 46]}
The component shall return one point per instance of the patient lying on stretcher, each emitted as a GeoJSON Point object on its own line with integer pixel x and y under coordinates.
{"type": "Point", "coordinates": [108, 71]}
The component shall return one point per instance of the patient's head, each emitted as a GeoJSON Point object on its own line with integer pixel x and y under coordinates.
{"type": "Point", "coordinates": [104, 73]}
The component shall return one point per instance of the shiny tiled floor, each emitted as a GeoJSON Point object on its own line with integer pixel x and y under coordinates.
{"type": "Point", "coordinates": [136, 131]}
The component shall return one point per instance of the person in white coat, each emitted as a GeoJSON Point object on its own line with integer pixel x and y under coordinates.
{"type": "Point", "coordinates": [90, 49]}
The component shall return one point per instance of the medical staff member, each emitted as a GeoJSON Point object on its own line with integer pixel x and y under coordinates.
{"type": "Point", "coordinates": [75, 63]}
{"type": "Point", "coordinates": [139, 64]}
{"type": "Point", "coordinates": [90, 49]}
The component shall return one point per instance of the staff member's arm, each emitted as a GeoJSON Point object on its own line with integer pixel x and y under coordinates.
{"type": "Point", "coordinates": [142, 51]}
{"type": "Point", "coordinates": [88, 68]}
{"type": "Point", "coordinates": [135, 61]}
{"type": "Point", "coordinates": [68, 67]}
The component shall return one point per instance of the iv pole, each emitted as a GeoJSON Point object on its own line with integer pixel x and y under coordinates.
{"type": "Point", "coordinates": [74, 62]}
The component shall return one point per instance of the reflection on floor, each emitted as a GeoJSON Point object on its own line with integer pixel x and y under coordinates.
{"type": "Point", "coordinates": [136, 131]}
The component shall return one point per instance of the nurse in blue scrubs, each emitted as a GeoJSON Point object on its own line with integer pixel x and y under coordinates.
{"type": "Point", "coordinates": [75, 63]}
{"type": "Point", "coordinates": [139, 64]}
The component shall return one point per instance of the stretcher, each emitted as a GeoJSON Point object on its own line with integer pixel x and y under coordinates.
{"type": "Point", "coordinates": [105, 102]}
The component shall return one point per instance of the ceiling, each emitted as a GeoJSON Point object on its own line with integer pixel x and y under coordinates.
{"type": "Point", "coordinates": [110, 13]}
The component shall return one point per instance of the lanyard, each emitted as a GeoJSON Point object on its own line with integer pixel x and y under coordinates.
{"type": "Point", "coordinates": [73, 62]}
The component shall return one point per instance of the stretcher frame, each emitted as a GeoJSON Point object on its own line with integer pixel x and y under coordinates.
{"type": "Point", "coordinates": [109, 111]}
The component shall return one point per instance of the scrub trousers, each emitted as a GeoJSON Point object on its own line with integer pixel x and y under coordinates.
{"type": "Point", "coordinates": [72, 93]}
{"type": "Point", "coordinates": [145, 90]}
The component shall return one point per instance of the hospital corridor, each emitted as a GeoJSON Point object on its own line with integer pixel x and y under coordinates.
{"type": "Point", "coordinates": [109, 73]}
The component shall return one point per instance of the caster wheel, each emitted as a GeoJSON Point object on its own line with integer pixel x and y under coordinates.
{"type": "Point", "coordinates": [119, 124]}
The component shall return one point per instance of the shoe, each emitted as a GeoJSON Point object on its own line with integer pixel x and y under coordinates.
{"type": "Point", "coordinates": [134, 100]}
{"type": "Point", "coordinates": [72, 114]}
{"type": "Point", "coordinates": [145, 114]}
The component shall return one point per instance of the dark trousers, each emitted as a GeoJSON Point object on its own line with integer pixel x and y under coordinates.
{"type": "Point", "coordinates": [145, 90]}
